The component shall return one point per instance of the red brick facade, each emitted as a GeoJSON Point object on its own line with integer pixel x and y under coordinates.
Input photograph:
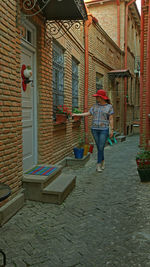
{"type": "Point", "coordinates": [10, 99]}
{"type": "Point", "coordinates": [54, 141]}
{"type": "Point", "coordinates": [145, 85]}
{"type": "Point", "coordinates": [106, 13]}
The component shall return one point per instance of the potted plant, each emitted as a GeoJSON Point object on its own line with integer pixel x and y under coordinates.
{"type": "Point", "coordinates": [91, 144]}
{"type": "Point", "coordinates": [62, 113]}
{"type": "Point", "coordinates": [88, 144]}
{"type": "Point", "coordinates": [143, 165]}
{"type": "Point", "coordinates": [76, 111]}
{"type": "Point", "coordinates": [79, 150]}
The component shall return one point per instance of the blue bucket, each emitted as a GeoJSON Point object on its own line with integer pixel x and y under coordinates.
{"type": "Point", "coordinates": [78, 152]}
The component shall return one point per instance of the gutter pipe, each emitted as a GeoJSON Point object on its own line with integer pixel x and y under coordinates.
{"type": "Point", "coordinates": [141, 72]}
{"type": "Point", "coordinates": [148, 85]}
{"type": "Point", "coordinates": [118, 22]}
{"type": "Point", "coordinates": [88, 22]}
{"type": "Point", "coordinates": [126, 50]}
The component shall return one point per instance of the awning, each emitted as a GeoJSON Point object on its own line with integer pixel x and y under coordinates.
{"type": "Point", "coordinates": [63, 9]}
{"type": "Point", "coordinates": [119, 73]}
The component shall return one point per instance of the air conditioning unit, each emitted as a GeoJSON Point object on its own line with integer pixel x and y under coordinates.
{"type": "Point", "coordinates": [136, 71]}
{"type": "Point", "coordinates": [137, 65]}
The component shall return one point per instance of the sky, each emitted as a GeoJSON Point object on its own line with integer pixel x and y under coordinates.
{"type": "Point", "coordinates": [138, 2]}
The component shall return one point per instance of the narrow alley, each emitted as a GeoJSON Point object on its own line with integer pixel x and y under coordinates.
{"type": "Point", "coordinates": [105, 221]}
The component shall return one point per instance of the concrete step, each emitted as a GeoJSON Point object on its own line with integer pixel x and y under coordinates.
{"type": "Point", "coordinates": [59, 189]}
{"type": "Point", "coordinates": [34, 184]}
{"type": "Point", "coordinates": [73, 162]}
{"type": "Point", "coordinates": [121, 138]}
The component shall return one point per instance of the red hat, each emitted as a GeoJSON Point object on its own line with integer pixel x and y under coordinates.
{"type": "Point", "coordinates": [102, 94]}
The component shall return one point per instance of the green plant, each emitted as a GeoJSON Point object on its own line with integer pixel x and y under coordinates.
{"type": "Point", "coordinates": [143, 159]}
{"type": "Point", "coordinates": [143, 154]}
{"type": "Point", "coordinates": [80, 141]}
{"type": "Point", "coordinates": [81, 138]}
{"type": "Point", "coordinates": [76, 111]}
{"type": "Point", "coordinates": [63, 109]}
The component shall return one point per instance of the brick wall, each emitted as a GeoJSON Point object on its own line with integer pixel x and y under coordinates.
{"type": "Point", "coordinates": [45, 112]}
{"type": "Point", "coordinates": [104, 56]}
{"type": "Point", "coordinates": [144, 135]}
{"type": "Point", "coordinates": [106, 13]}
{"type": "Point", "coordinates": [65, 137]}
{"type": "Point", "coordinates": [54, 141]}
{"type": "Point", "coordinates": [107, 17]}
{"type": "Point", "coordinates": [10, 99]}
{"type": "Point", "coordinates": [61, 139]}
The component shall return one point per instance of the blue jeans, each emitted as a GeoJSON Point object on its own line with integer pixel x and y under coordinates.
{"type": "Point", "coordinates": [100, 137]}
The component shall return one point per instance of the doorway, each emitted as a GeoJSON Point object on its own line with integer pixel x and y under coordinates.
{"type": "Point", "coordinates": [29, 102]}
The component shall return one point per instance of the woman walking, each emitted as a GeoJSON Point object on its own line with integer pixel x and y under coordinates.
{"type": "Point", "coordinates": [102, 113]}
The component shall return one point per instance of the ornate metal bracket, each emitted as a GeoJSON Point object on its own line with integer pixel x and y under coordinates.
{"type": "Point", "coordinates": [32, 8]}
{"type": "Point", "coordinates": [80, 8]}
{"type": "Point", "coordinates": [53, 28]}
{"type": "Point", "coordinates": [58, 28]}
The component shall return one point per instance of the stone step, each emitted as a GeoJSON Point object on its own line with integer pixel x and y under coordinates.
{"type": "Point", "coordinates": [121, 138]}
{"type": "Point", "coordinates": [59, 189]}
{"type": "Point", "coordinates": [34, 184]}
{"type": "Point", "coordinates": [73, 162]}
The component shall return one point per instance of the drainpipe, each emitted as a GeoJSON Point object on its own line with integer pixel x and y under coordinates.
{"type": "Point", "coordinates": [126, 50]}
{"type": "Point", "coordinates": [88, 22]}
{"type": "Point", "coordinates": [118, 22]}
{"type": "Point", "coordinates": [148, 84]}
{"type": "Point", "coordinates": [141, 72]}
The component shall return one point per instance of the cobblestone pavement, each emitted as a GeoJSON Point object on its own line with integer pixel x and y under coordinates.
{"type": "Point", "coordinates": [105, 221]}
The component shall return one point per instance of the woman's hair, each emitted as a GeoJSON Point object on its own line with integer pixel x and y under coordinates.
{"type": "Point", "coordinates": [108, 101]}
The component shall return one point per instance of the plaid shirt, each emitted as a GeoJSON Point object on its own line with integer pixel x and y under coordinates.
{"type": "Point", "coordinates": [101, 115]}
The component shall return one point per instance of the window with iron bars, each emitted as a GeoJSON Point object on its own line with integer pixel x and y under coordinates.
{"type": "Point", "coordinates": [75, 83]}
{"type": "Point", "coordinates": [58, 77]}
{"type": "Point", "coordinates": [99, 81]}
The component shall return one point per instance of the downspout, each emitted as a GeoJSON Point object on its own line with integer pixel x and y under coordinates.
{"type": "Point", "coordinates": [88, 22]}
{"type": "Point", "coordinates": [148, 85]}
{"type": "Point", "coordinates": [141, 73]}
{"type": "Point", "coordinates": [118, 22]}
{"type": "Point", "coordinates": [126, 50]}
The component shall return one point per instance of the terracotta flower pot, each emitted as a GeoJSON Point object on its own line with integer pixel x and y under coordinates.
{"type": "Point", "coordinates": [76, 118]}
{"type": "Point", "coordinates": [142, 162]}
{"type": "Point", "coordinates": [91, 148]}
{"type": "Point", "coordinates": [61, 117]}
{"type": "Point", "coordinates": [144, 174]}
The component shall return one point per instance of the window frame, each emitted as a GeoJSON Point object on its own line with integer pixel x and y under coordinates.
{"type": "Point", "coordinates": [75, 80]}
{"type": "Point", "coordinates": [99, 86]}
{"type": "Point", "coordinates": [57, 76]}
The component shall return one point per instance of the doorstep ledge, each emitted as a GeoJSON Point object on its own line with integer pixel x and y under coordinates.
{"type": "Point", "coordinates": [11, 207]}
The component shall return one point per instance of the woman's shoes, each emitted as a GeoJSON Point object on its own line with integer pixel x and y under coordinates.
{"type": "Point", "coordinates": [99, 168]}
{"type": "Point", "coordinates": [103, 165]}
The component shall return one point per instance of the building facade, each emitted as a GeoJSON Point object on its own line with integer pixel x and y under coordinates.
{"type": "Point", "coordinates": [145, 79]}
{"type": "Point", "coordinates": [121, 21]}
{"type": "Point", "coordinates": [30, 134]}
{"type": "Point", "coordinates": [68, 66]}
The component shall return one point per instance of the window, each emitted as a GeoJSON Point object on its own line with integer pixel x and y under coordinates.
{"type": "Point", "coordinates": [117, 88]}
{"type": "Point", "coordinates": [99, 81]}
{"type": "Point", "coordinates": [58, 77]}
{"type": "Point", "coordinates": [28, 34]}
{"type": "Point", "coordinates": [75, 82]}
{"type": "Point", "coordinates": [131, 93]}
{"type": "Point", "coordinates": [127, 97]}
{"type": "Point", "coordinates": [138, 92]}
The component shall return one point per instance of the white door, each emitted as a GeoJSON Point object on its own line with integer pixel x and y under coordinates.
{"type": "Point", "coordinates": [28, 113]}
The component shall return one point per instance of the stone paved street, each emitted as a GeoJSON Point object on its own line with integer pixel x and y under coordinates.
{"type": "Point", "coordinates": [105, 221]}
